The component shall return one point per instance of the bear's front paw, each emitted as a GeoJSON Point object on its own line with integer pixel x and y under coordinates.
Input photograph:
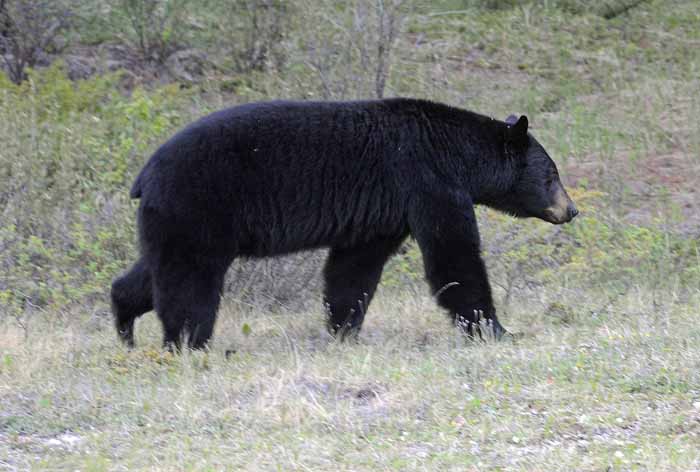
{"type": "Point", "coordinates": [346, 332]}
{"type": "Point", "coordinates": [479, 325]}
{"type": "Point", "coordinates": [126, 333]}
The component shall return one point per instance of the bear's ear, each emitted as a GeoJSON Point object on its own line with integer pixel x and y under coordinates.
{"type": "Point", "coordinates": [516, 132]}
{"type": "Point", "coordinates": [511, 120]}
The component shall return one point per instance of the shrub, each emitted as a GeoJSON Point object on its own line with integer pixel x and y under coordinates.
{"type": "Point", "coordinates": [28, 30]}
{"type": "Point", "coordinates": [595, 250]}
{"type": "Point", "coordinates": [264, 25]}
{"type": "Point", "coordinates": [69, 151]}
{"type": "Point", "coordinates": [344, 50]}
{"type": "Point", "coordinates": [154, 28]}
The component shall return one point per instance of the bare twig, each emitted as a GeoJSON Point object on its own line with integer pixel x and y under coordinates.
{"type": "Point", "coordinates": [388, 17]}
{"type": "Point", "coordinates": [351, 55]}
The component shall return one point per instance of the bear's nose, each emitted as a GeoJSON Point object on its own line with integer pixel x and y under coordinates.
{"type": "Point", "coordinates": [572, 211]}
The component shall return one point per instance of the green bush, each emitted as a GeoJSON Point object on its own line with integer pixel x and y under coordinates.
{"type": "Point", "coordinates": [596, 249]}
{"type": "Point", "coordinates": [70, 149]}
{"type": "Point", "coordinates": [154, 28]}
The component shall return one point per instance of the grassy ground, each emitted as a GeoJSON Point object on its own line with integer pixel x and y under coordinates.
{"type": "Point", "coordinates": [592, 388]}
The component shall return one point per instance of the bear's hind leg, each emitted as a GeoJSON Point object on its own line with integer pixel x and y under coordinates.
{"type": "Point", "coordinates": [132, 296]}
{"type": "Point", "coordinates": [351, 277]}
{"type": "Point", "coordinates": [187, 296]}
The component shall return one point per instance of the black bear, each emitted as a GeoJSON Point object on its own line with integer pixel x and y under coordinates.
{"type": "Point", "coordinates": [357, 177]}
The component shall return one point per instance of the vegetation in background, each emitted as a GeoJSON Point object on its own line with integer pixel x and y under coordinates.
{"type": "Point", "coordinates": [71, 148]}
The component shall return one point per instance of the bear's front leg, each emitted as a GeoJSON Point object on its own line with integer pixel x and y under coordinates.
{"type": "Point", "coordinates": [448, 236]}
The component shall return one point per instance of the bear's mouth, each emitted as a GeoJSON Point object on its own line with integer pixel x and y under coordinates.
{"type": "Point", "coordinates": [558, 216]}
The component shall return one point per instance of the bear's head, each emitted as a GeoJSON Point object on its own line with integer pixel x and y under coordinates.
{"type": "Point", "coordinates": [537, 190]}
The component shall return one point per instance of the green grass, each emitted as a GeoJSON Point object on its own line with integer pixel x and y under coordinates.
{"type": "Point", "coordinates": [613, 389]}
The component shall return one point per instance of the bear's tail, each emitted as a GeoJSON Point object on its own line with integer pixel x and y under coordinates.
{"type": "Point", "coordinates": [135, 191]}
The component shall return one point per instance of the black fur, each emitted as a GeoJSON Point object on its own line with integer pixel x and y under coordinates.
{"type": "Point", "coordinates": [271, 178]}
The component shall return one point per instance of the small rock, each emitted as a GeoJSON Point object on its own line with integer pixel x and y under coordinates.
{"type": "Point", "coordinates": [70, 439]}
{"type": "Point", "coordinates": [53, 442]}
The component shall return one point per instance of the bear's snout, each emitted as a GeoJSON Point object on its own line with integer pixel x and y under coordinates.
{"type": "Point", "coordinates": [562, 209]}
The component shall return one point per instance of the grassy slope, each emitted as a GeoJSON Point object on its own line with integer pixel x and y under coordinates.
{"type": "Point", "coordinates": [616, 387]}
{"type": "Point", "coordinates": [590, 386]}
